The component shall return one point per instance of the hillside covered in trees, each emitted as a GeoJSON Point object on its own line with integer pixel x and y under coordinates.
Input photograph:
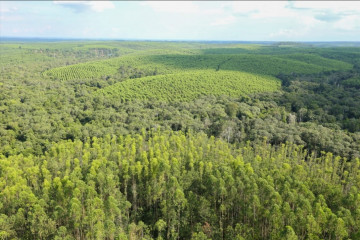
{"type": "Point", "coordinates": [179, 140]}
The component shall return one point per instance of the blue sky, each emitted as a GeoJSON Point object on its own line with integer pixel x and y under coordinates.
{"type": "Point", "coordinates": [176, 20]}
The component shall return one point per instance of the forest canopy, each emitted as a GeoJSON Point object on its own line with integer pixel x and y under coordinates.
{"type": "Point", "coordinates": [179, 140]}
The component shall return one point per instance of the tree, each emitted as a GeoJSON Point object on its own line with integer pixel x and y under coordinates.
{"type": "Point", "coordinates": [289, 233]}
{"type": "Point", "coordinates": [41, 225]}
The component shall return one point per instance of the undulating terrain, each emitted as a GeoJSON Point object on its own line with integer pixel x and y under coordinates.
{"type": "Point", "coordinates": [179, 140]}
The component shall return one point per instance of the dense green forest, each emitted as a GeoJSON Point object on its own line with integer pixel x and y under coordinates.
{"type": "Point", "coordinates": [179, 140]}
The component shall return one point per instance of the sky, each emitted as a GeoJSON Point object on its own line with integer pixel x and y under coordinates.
{"type": "Point", "coordinates": [183, 20]}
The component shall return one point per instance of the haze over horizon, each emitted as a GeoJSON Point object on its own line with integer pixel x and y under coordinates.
{"type": "Point", "coordinates": [183, 20]}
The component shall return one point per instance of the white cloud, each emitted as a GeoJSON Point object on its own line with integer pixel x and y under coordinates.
{"type": "Point", "coordinates": [100, 6]}
{"type": "Point", "coordinates": [97, 6]}
{"type": "Point", "coordinates": [302, 26]}
{"type": "Point", "coordinates": [330, 11]}
{"type": "Point", "coordinates": [11, 18]}
{"type": "Point", "coordinates": [349, 23]}
{"type": "Point", "coordinates": [307, 21]}
{"type": "Point", "coordinates": [4, 9]}
{"type": "Point", "coordinates": [343, 15]}
{"type": "Point", "coordinates": [224, 21]}
{"type": "Point", "coordinates": [263, 9]}
{"type": "Point", "coordinates": [335, 6]}
{"type": "Point", "coordinates": [172, 6]}
{"type": "Point", "coordinates": [304, 16]}
{"type": "Point", "coordinates": [287, 33]}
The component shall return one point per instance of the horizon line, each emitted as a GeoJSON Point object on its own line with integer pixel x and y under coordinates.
{"type": "Point", "coordinates": [171, 40]}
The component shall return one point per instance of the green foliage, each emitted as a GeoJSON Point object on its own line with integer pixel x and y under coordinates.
{"type": "Point", "coordinates": [190, 85]}
{"type": "Point", "coordinates": [236, 157]}
{"type": "Point", "coordinates": [168, 185]}
{"type": "Point", "coordinates": [273, 65]}
{"type": "Point", "coordinates": [289, 234]}
{"type": "Point", "coordinates": [81, 71]}
{"type": "Point", "coordinates": [352, 82]}
{"type": "Point", "coordinates": [175, 61]}
{"type": "Point", "coordinates": [325, 63]}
